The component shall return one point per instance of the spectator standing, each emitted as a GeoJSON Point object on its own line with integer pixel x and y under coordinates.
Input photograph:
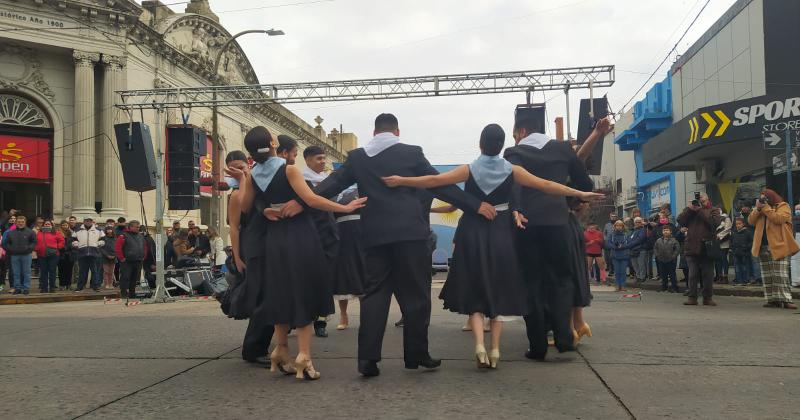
{"type": "Point", "coordinates": [109, 255]}
{"type": "Point", "coordinates": [649, 244]}
{"type": "Point", "coordinates": [742, 248]}
{"type": "Point", "coordinates": [755, 263]}
{"type": "Point", "coordinates": [721, 265]}
{"type": "Point", "coordinates": [67, 257]}
{"type": "Point", "coordinates": [595, 243]}
{"type": "Point", "coordinates": [217, 255]}
{"type": "Point", "coordinates": [608, 229]}
{"type": "Point", "coordinates": [19, 243]}
{"type": "Point", "coordinates": [701, 219]}
{"type": "Point", "coordinates": [12, 224]}
{"type": "Point", "coordinates": [667, 249]}
{"type": "Point", "coordinates": [638, 254]}
{"type": "Point", "coordinates": [796, 257]}
{"type": "Point", "coordinates": [119, 227]}
{"type": "Point", "coordinates": [49, 245]}
{"type": "Point", "coordinates": [202, 246]}
{"type": "Point", "coordinates": [131, 250]}
{"type": "Point", "coordinates": [773, 242]}
{"type": "Point", "coordinates": [73, 224]}
{"type": "Point", "coordinates": [620, 253]}
{"type": "Point", "coordinates": [88, 243]}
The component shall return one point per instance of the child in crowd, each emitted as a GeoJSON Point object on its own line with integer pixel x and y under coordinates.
{"type": "Point", "coordinates": [741, 248]}
{"type": "Point", "coordinates": [667, 250]}
{"type": "Point", "coordinates": [109, 257]}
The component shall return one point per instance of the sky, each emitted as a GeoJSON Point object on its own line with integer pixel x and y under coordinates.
{"type": "Point", "coordinates": [354, 39]}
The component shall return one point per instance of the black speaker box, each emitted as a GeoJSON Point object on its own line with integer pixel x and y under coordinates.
{"type": "Point", "coordinates": [186, 138]}
{"type": "Point", "coordinates": [585, 126]}
{"type": "Point", "coordinates": [184, 188]}
{"type": "Point", "coordinates": [184, 202]}
{"type": "Point", "coordinates": [136, 156]}
{"type": "Point", "coordinates": [184, 173]}
{"type": "Point", "coordinates": [183, 159]}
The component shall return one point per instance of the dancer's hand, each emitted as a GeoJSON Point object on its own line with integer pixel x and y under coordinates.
{"type": "Point", "coordinates": [240, 267]}
{"type": "Point", "coordinates": [591, 196]}
{"type": "Point", "coordinates": [355, 204]}
{"type": "Point", "coordinates": [291, 209]}
{"type": "Point", "coordinates": [520, 220]}
{"type": "Point", "coordinates": [237, 173]}
{"type": "Point", "coordinates": [392, 181]}
{"type": "Point", "coordinates": [487, 210]}
{"type": "Point", "coordinates": [604, 126]}
{"type": "Point", "coordinates": [273, 215]}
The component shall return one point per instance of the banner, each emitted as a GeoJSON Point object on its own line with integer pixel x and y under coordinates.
{"type": "Point", "coordinates": [207, 168]}
{"type": "Point", "coordinates": [24, 157]}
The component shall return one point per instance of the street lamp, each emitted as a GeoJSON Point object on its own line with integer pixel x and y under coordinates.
{"type": "Point", "coordinates": [216, 147]}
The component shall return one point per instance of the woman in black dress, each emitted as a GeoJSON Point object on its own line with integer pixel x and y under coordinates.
{"type": "Point", "coordinates": [350, 272]}
{"type": "Point", "coordinates": [485, 279]}
{"type": "Point", "coordinates": [294, 271]}
{"type": "Point", "coordinates": [577, 242]}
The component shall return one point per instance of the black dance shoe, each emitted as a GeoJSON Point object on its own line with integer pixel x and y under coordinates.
{"type": "Point", "coordinates": [320, 331]}
{"type": "Point", "coordinates": [427, 362]}
{"type": "Point", "coordinates": [259, 360]}
{"type": "Point", "coordinates": [533, 356]}
{"type": "Point", "coordinates": [368, 368]}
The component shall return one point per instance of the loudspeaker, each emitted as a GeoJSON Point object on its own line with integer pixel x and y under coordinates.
{"type": "Point", "coordinates": [184, 159]}
{"type": "Point", "coordinates": [136, 156]}
{"type": "Point", "coordinates": [184, 174]}
{"type": "Point", "coordinates": [532, 113]}
{"type": "Point", "coordinates": [184, 202]}
{"type": "Point", "coordinates": [184, 188]}
{"type": "Point", "coordinates": [186, 138]}
{"type": "Point", "coordinates": [586, 123]}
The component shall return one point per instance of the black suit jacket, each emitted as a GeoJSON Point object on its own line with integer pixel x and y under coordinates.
{"type": "Point", "coordinates": [392, 214]}
{"type": "Point", "coordinates": [557, 162]}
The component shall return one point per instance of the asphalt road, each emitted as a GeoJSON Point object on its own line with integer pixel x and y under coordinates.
{"type": "Point", "coordinates": [648, 359]}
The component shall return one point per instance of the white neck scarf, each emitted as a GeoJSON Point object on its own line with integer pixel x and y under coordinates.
{"type": "Point", "coordinates": [263, 173]}
{"type": "Point", "coordinates": [537, 140]}
{"type": "Point", "coordinates": [490, 171]}
{"type": "Point", "coordinates": [313, 177]}
{"type": "Point", "coordinates": [380, 142]}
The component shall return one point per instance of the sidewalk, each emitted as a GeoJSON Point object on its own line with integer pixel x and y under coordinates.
{"type": "Point", "coordinates": [7, 298]}
{"type": "Point", "coordinates": [719, 289]}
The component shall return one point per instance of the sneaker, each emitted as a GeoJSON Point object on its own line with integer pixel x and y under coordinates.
{"type": "Point", "coordinates": [17, 292]}
{"type": "Point", "coordinates": [78, 290]}
{"type": "Point", "coordinates": [26, 292]}
{"type": "Point", "coordinates": [2, 288]}
{"type": "Point", "coordinates": [96, 289]}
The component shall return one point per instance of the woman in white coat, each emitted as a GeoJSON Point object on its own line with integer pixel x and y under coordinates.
{"type": "Point", "coordinates": [217, 255]}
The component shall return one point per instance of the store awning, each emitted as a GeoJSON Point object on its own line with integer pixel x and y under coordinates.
{"type": "Point", "coordinates": [731, 133]}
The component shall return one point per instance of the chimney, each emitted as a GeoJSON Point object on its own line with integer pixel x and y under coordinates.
{"type": "Point", "coordinates": [559, 128]}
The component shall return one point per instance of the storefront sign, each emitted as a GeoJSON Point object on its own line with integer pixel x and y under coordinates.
{"type": "Point", "coordinates": [24, 157]}
{"type": "Point", "coordinates": [743, 119]}
{"type": "Point", "coordinates": [779, 163]}
{"type": "Point", "coordinates": [32, 19]}
{"type": "Point", "coordinates": [659, 194]}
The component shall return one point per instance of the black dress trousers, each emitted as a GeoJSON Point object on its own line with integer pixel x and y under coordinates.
{"type": "Point", "coordinates": [402, 269]}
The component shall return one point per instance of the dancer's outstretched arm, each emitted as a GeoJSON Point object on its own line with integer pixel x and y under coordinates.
{"type": "Point", "coordinates": [302, 189]}
{"type": "Point", "coordinates": [455, 176]}
{"type": "Point", "coordinates": [526, 179]}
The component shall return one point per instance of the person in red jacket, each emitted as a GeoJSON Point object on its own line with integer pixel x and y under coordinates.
{"type": "Point", "coordinates": [594, 250]}
{"type": "Point", "coordinates": [49, 244]}
{"type": "Point", "coordinates": [131, 250]}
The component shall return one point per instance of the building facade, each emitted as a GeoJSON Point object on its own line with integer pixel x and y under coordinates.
{"type": "Point", "coordinates": [61, 63]}
{"type": "Point", "coordinates": [737, 84]}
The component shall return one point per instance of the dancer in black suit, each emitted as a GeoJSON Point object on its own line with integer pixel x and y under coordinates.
{"type": "Point", "coordinates": [543, 220]}
{"type": "Point", "coordinates": [395, 241]}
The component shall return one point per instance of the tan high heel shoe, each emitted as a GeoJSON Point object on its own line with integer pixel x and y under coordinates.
{"type": "Point", "coordinates": [279, 360]}
{"type": "Point", "coordinates": [584, 330]}
{"type": "Point", "coordinates": [575, 338]}
{"type": "Point", "coordinates": [343, 323]}
{"type": "Point", "coordinates": [494, 357]}
{"type": "Point", "coordinates": [481, 357]}
{"type": "Point", "coordinates": [305, 370]}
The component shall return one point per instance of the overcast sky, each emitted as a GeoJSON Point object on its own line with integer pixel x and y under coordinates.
{"type": "Point", "coordinates": [350, 39]}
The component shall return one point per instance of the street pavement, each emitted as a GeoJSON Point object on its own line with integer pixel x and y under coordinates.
{"type": "Point", "coordinates": [652, 358]}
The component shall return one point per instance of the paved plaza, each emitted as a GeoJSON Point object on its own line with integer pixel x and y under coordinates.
{"type": "Point", "coordinates": [652, 358]}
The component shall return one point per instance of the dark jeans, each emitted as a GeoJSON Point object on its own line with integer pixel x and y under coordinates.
{"type": "Point", "coordinates": [47, 273]}
{"type": "Point", "coordinates": [668, 274]}
{"type": "Point", "coordinates": [65, 267]}
{"type": "Point", "coordinates": [130, 274]}
{"type": "Point", "coordinates": [701, 271]}
{"type": "Point", "coordinates": [721, 265]}
{"type": "Point", "coordinates": [85, 265]}
{"type": "Point", "coordinates": [743, 266]}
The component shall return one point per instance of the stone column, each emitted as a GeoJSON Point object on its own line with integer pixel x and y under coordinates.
{"type": "Point", "coordinates": [113, 193]}
{"type": "Point", "coordinates": [83, 147]}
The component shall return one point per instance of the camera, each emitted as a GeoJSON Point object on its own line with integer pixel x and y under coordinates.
{"type": "Point", "coordinates": [763, 200]}
{"type": "Point", "coordinates": [696, 201]}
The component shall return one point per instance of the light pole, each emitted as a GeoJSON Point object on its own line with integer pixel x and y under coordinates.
{"type": "Point", "coordinates": [216, 147]}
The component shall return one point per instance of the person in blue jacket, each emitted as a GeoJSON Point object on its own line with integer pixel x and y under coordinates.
{"type": "Point", "coordinates": [637, 240]}
{"type": "Point", "coordinates": [618, 242]}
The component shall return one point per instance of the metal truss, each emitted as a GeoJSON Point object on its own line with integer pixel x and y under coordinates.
{"type": "Point", "coordinates": [370, 89]}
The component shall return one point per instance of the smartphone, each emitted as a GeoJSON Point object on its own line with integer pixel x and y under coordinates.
{"type": "Point", "coordinates": [696, 201]}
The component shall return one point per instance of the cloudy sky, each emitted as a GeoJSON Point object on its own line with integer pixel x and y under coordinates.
{"type": "Point", "coordinates": [351, 39]}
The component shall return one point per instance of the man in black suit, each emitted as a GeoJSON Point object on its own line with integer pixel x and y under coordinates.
{"type": "Point", "coordinates": [543, 218]}
{"type": "Point", "coordinates": [395, 239]}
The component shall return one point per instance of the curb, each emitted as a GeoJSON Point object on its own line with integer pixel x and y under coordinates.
{"type": "Point", "coordinates": [73, 297]}
{"type": "Point", "coordinates": [719, 289]}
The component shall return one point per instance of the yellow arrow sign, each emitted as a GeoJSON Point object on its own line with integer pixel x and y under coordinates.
{"type": "Point", "coordinates": [691, 131]}
{"type": "Point", "coordinates": [726, 122]}
{"type": "Point", "coordinates": [711, 125]}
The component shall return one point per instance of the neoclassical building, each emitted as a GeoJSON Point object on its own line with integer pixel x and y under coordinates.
{"type": "Point", "coordinates": [61, 62]}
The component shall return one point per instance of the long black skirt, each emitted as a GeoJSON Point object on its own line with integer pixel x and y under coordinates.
{"type": "Point", "coordinates": [296, 274]}
{"type": "Point", "coordinates": [577, 244]}
{"type": "Point", "coordinates": [351, 268]}
{"type": "Point", "coordinates": [485, 272]}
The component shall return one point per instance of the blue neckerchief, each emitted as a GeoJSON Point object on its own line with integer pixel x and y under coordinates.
{"type": "Point", "coordinates": [490, 171]}
{"type": "Point", "coordinates": [263, 173]}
